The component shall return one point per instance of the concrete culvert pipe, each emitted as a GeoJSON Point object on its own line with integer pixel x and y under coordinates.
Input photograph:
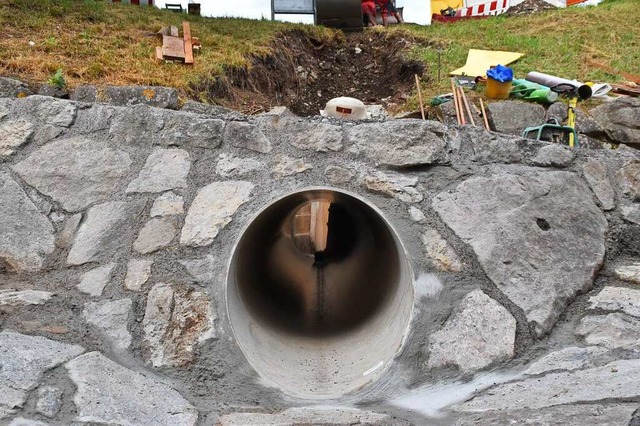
{"type": "Point", "coordinates": [320, 293]}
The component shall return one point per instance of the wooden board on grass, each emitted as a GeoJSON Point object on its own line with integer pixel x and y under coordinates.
{"type": "Point", "coordinates": [172, 47]}
{"type": "Point", "coordinates": [188, 44]}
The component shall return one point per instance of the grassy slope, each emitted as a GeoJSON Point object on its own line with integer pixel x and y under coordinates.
{"type": "Point", "coordinates": [114, 44]}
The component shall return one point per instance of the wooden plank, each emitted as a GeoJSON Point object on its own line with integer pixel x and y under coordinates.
{"type": "Point", "coordinates": [186, 31]}
{"type": "Point", "coordinates": [173, 47]}
{"type": "Point", "coordinates": [159, 55]}
{"type": "Point", "coordinates": [188, 45]}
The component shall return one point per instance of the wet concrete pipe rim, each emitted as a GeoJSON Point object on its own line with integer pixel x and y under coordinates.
{"type": "Point", "coordinates": [341, 358]}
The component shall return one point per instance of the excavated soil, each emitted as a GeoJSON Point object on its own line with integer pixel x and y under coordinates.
{"type": "Point", "coordinates": [304, 72]}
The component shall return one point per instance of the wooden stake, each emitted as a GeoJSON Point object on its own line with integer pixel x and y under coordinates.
{"type": "Point", "coordinates": [455, 100]}
{"type": "Point", "coordinates": [484, 115]}
{"type": "Point", "coordinates": [420, 96]}
{"type": "Point", "coordinates": [466, 106]}
{"type": "Point", "coordinates": [188, 46]}
{"type": "Point", "coordinates": [463, 117]}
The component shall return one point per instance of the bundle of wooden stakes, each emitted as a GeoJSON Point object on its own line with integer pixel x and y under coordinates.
{"type": "Point", "coordinates": [463, 109]}
{"type": "Point", "coordinates": [175, 48]}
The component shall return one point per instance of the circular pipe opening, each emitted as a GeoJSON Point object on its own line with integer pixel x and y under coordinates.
{"type": "Point", "coordinates": [319, 293]}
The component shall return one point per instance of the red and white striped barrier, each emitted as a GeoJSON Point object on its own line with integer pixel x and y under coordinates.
{"type": "Point", "coordinates": [494, 7]}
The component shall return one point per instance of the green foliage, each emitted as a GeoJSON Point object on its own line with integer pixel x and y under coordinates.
{"type": "Point", "coordinates": [57, 79]}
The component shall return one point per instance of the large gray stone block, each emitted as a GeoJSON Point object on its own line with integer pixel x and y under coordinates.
{"type": "Point", "coordinates": [513, 116]}
{"type": "Point", "coordinates": [164, 169]}
{"type": "Point", "coordinates": [155, 96]}
{"type": "Point", "coordinates": [621, 119]}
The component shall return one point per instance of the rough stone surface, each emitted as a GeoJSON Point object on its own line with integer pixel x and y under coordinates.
{"type": "Point", "coordinates": [553, 156]}
{"type": "Point", "coordinates": [231, 166]}
{"type": "Point", "coordinates": [619, 379]}
{"type": "Point", "coordinates": [288, 166]}
{"type": "Point", "coordinates": [94, 281]}
{"type": "Point", "coordinates": [27, 235]}
{"type": "Point", "coordinates": [55, 112]}
{"type": "Point", "coordinates": [10, 297]}
{"type": "Point", "coordinates": [400, 144]}
{"type": "Point", "coordinates": [168, 204]}
{"type": "Point", "coordinates": [10, 88]}
{"type": "Point", "coordinates": [595, 172]}
{"type": "Point", "coordinates": [393, 185]}
{"type": "Point", "coordinates": [489, 147]}
{"type": "Point", "coordinates": [106, 230]}
{"type": "Point", "coordinates": [481, 333]}
{"type": "Point", "coordinates": [613, 331]}
{"type": "Point", "coordinates": [53, 91]}
{"type": "Point", "coordinates": [416, 215]}
{"type": "Point", "coordinates": [439, 253]}
{"type": "Point", "coordinates": [110, 319]}
{"type": "Point", "coordinates": [621, 119]}
{"type": "Point", "coordinates": [212, 210]}
{"type": "Point", "coordinates": [319, 137]}
{"type": "Point", "coordinates": [513, 117]}
{"type": "Point", "coordinates": [246, 136]}
{"type": "Point", "coordinates": [138, 273]}
{"type": "Point", "coordinates": [567, 359]}
{"type": "Point", "coordinates": [628, 272]}
{"type": "Point", "coordinates": [164, 169]}
{"type": "Point", "coordinates": [14, 134]}
{"type": "Point", "coordinates": [213, 111]}
{"type": "Point", "coordinates": [155, 96]}
{"type": "Point", "coordinates": [338, 416]}
{"type": "Point", "coordinates": [521, 227]}
{"type": "Point", "coordinates": [631, 213]}
{"type": "Point", "coordinates": [49, 401]}
{"type": "Point", "coordinates": [338, 175]}
{"type": "Point", "coordinates": [190, 130]}
{"type": "Point", "coordinates": [619, 299]}
{"type": "Point", "coordinates": [110, 393]}
{"type": "Point", "coordinates": [202, 270]}
{"type": "Point", "coordinates": [156, 234]}
{"type": "Point", "coordinates": [630, 179]}
{"type": "Point", "coordinates": [606, 414]}
{"type": "Point", "coordinates": [176, 319]}
{"type": "Point", "coordinates": [66, 236]}
{"type": "Point", "coordinates": [21, 421]}
{"type": "Point", "coordinates": [75, 172]}
{"type": "Point", "coordinates": [85, 93]}
{"type": "Point", "coordinates": [24, 359]}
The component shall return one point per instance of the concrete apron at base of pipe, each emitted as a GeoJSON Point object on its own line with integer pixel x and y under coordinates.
{"type": "Point", "coordinates": [320, 325]}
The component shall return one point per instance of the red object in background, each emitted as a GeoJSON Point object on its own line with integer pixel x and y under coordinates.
{"type": "Point", "coordinates": [136, 2]}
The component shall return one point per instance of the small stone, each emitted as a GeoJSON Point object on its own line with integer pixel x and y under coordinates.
{"type": "Point", "coordinates": [613, 331]}
{"type": "Point", "coordinates": [631, 213]}
{"type": "Point", "coordinates": [24, 359]}
{"type": "Point", "coordinates": [630, 180]}
{"type": "Point", "coordinates": [553, 155]}
{"type": "Point", "coordinates": [481, 333]}
{"type": "Point", "coordinates": [167, 204]}
{"type": "Point", "coordinates": [176, 319]}
{"type": "Point", "coordinates": [111, 318]}
{"type": "Point", "coordinates": [618, 299]}
{"type": "Point", "coordinates": [107, 229]}
{"type": "Point", "coordinates": [10, 297]}
{"type": "Point", "coordinates": [338, 175]}
{"type": "Point", "coordinates": [201, 270]}
{"type": "Point", "coordinates": [14, 134]}
{"type": "Point", "coordinates": [164, 169]}
{"type": "Point", "coordinates": [393, 185]}
{"type": "Point", "coordinates": [10, 88]}
{"type": "Point", "coordinates": [246, 136]}
{"type": "Point", "coordinates": [27, 235]}
{"type": "Point", "coordinates": [595, 172]}
{"type": "Point", "coordinates": [53, 91]}
{"type": "Point", "coordinates": [156, 234]}
{"type": "Point", "coordinates": [138, 273]}
{"type": "Point", "coordinates": [65, 238]}
{"type": "Point", "coordinates": [212, 210]}
{"type": "Point", "coordinates": [94, 281]}
{"type": "Point", "coordinates": [85, 93]}
{"type": "Point", "coordinates": [439, 253]}
{"type": "Point", "coordinates": [49, 401]}
{"type": "Point", "coordinates": [288, 166]}
{"type": "Point", "coordinates": [567, 359]}
{"type": "Point", "coordinates": [108, 393]}
{"type": "Point", "coordinates": [230, 166]}
{"type": "Point", "coordinates": [629, 272]}
{"type": "Point", "coordinates": [75, 172]}
{"type": "Point", "coordinates": [416, 215]}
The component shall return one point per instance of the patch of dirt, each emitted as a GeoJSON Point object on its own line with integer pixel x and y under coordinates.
{"type": "Point", "coordinates": [303, 73]}
{"type": "Point", "coordinates": [528, 7]}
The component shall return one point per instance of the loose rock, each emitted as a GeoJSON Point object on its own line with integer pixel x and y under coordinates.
{"type": "Point", "coordinates": [246, 136]}
{"type": "Point", "coordinates": [49, 401]}
{"type": "Point", "coordinates": [416, 215]}
{"type": "Point", "coordinates": [94, 281]}
{"type": "Point", "coordinates": [164, 169]}
{"type": "Point", "coordinates": [75, 172]}
{"type": "Point", "coordinates": [111, 320]}
{"type": "Point", "coordinates": [481, 333]}
{"type": "Point", "coordinates": [522, 227]}
{"type": "Point", "coordinates": [439, 253]}
{"type": "Point", "coordinates": [14, 134]}
{"type": "Point", "coordinates": [621, 119]}
{"type": "Point", "coordinates": [107, 228]}
{"type": "Point", "coordinates": [138, 273]}
{"type": "Point", "coordinates": [168, 204]}
{"type": "Point", "coordinates": [595, 172]}
{"type": "Point", "coordinates": [176, 319]}
{"type": "Point", "coordinates": [394, 186]}
{"type": "Point", "coordinates": [212, 210]}
{"type": "Point", "coordinates": [102, 398]}
{"type": "Point", "coordinates": [513, 117]}
{"type": "Point", "coordinates": [27, 236]}
{"type": "Point", "coordinates": [24, 359]}
{"type": "Point", "coordinates": [156, 234]}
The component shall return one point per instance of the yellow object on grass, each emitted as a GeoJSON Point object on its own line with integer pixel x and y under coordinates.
{"type": "Point", "coordinates": [438, 5]}
{"type": "Point", "coordinates": [479, 61]}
